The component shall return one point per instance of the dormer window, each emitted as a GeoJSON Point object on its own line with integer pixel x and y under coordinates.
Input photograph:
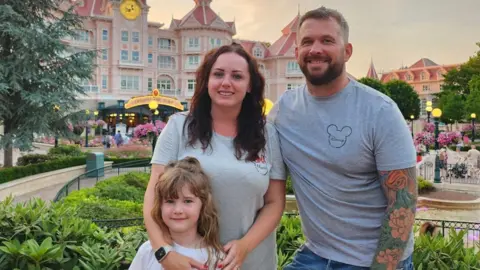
{"type": "Point", "coordinates": [408, 77]}
{"type": "Point", "coordinates": [423, 76]}
{"type": "Point", "coordinates": [258, 52]}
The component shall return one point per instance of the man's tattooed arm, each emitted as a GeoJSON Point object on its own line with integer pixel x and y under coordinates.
{"type": "Point", "coordinates": [400, 188]}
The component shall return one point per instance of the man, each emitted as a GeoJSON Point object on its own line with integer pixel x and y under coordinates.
{"type": "Point", "coordinates": [350, 155]}
{"type": "Point", "coordinates": [473, 156]}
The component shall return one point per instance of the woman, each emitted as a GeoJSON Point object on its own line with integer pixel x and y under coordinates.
{"type": "Point", "coordinates": [226, 131]}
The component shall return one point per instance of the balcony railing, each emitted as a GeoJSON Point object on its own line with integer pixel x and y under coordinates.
{"type": "Point", "coordinates": [131, 63]}
{"type": "Point", "coordinates": [293, 73]}
{"type": "Point", "coordinates": [91, 88]}
{"type": "Point", "coordinates": [192, 49]}
{"type": "Point", "coordinates": [170, 92]}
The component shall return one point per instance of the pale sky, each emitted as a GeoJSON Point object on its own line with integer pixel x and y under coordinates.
{"type": "Point", "coordinates": [391, 32]}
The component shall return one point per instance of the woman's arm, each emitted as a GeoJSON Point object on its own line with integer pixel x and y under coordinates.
{"type": "Point", "coordinates": [267, 220]}
{"type": "Point", "coordinates": [269, 216]}
{"type": "Point", "coordinates": [155, 234]}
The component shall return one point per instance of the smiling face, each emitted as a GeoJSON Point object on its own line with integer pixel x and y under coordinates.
{"type": "Point", "coordinates": [181, 215]}
{"type": "Point", "coordinates": [321, 50]}
{"type": "Point", "coordinates": [229, 81]}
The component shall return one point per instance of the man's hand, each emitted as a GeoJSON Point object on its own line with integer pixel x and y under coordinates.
{"type": "Point", "coordinates": [176, 261]}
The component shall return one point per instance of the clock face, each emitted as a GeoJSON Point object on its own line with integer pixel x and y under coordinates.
{"type": "Point", "coordinates": [130, 9]}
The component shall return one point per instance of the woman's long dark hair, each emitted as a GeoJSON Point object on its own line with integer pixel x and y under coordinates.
{"type": "Point", "coordinates": [250, 136]}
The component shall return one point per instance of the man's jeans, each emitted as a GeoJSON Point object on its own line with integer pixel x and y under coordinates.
{"type": "Point", "coordinates": [305, 259]}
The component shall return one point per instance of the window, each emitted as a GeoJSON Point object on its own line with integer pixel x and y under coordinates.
{"type": "Point", "coordinates": [130, 83]}
{"type": "Point", "coordinates": [164, 43]}
{"type": "Point", "coordinates": [165, 62]}
{"type": "Point", "coordinates": [82, 35]}
{"type": "Point", "coordinates": [125, 36]}
{"type": "Point", "coordinates": [104, 81]}
{"type": "Point", "coordinates": [150, 41]}
{"type": "Point", "coordinates": [258, 52]}
{"type": "Point", "coordinates": [426, 88]}
{"type": "Point", "coordinates": [439, 75]}
{"type": "Point", "coordinates": [136, 37]}
{"type": "Point", "coordinates": [423, 76]}
{"type": "Point", "coordinates": [215, 43]}
{"type": "Point", "coordinates": [408, 77]}
{"type": "Point", "coordinates": [293, 67]}
{"type": "Point", "coordinates": [150, 58]}
{"type": "Point", "coordinates": [292, 86]}
{"type": "Point", "coordinates": [124, 55]}
{"type": "Point", "coordinates": [193, 60]}
{"type": "Point", "coordinates": [194, 42]}
{"type": "Point", "coordinates": [423, 106]}
{"type": "Point", "coordinates": [191, 85]}
{"type": "Point", "coordinates": [104, 34]}
{"type": "Point", "coordinates": [164, 84]}
{"type": "Point", "coordinates": [136, 56]}
{"type": "Point", "coordinates": [105, 54]}
{"type": "Point", "coordinates": [150, 84]}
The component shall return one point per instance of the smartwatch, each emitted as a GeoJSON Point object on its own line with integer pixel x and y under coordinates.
{"type": "Point", "coordinates": [162, 252]}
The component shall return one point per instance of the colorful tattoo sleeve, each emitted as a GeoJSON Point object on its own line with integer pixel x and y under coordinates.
{"type": "Point", "coordinates": [400, 188]}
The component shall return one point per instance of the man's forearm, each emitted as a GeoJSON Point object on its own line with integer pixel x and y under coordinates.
{"type": "Point", "coordinates": [400, 187]}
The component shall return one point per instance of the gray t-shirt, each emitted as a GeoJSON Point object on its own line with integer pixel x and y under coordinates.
{"type": "Point", "coordinates": [238, 186]}
{"type": "Point", "coordinates": [334, 148]}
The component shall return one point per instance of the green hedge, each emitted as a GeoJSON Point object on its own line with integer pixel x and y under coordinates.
{"type": "Point", "coordinates": [9, 174]}
{"type": "Point", "coordinates": [114, 198]}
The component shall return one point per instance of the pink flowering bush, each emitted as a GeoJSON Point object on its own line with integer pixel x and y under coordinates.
{"type": "Point", "coordinates": [425, 138]}
{"type": "Point", "coordinates": [148, 129]}
{"type": "Point", "coordinates": [447, 138]}
{"type": "Point", "coordinates": [429, 127]}
{"type": "Point", "coordinates": [100, 123]}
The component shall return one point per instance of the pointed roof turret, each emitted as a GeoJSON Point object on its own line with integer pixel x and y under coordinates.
{"type": "Point", "coordinates": [287, 40]}
{"type": "Point", "coordinates": [202, 16]}
{"type": "Point", "coordinates": [372, 73]}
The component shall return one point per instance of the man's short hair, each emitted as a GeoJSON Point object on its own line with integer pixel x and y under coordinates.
{"type": "Point", "coordinates": [324, 13]}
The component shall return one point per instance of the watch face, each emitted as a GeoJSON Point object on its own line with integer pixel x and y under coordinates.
{"type": "Point", "coordinates": [130, 9]}
{"type": "Point", "coordinates": [160, 253]}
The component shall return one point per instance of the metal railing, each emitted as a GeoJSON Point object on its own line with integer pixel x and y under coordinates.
{"type": "Point", "coordinates": [90, 178]}
{"type": "Point", "coordinates": [459, 173]}
{"type": "Point", "coordinates": [472, 236]}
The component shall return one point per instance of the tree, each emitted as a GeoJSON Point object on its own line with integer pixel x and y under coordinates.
{"type": "Point", "coordinates": [38, 70]}
{"type": "Point", "coordinates": [375, 84]}
{"type": "Point", "coordinates": [405, 96]}
{"type": "Point", "coordinates": [452, 106]}
{"type": "Point", "coordinates": [473, 99]}
{"type": "Point", "coordinates": [457, 80]}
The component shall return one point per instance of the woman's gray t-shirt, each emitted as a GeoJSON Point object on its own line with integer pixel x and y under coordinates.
{"type": "Point", "coordinates": [238, 186]}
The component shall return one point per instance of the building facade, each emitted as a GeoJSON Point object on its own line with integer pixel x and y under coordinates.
{"type": "Point", "coordinates": [425, 76]}
{"type": "Point", "coordinates": [137, 56]}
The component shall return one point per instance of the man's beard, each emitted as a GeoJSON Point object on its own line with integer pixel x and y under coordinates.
{"type": "Point", "coordinates": [334, 70]}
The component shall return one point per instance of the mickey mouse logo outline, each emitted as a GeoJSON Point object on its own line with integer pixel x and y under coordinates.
{"type": "Point", "coordinates": [338, 138]}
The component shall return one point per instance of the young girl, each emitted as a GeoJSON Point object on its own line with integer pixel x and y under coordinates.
{"type": "Point", "coordinates": [184, 208]}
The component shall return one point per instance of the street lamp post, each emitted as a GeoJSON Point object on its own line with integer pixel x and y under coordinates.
{"type": "Point", "coordinates": [473, 116]}
{"type": "Point", "coordinates": [429, 110]}
{"type": "Point", "coordinates": [87, 112]}
{"type": "Point", "coordinates": [56, 108]}
{"type": "Point", "coordinates": [436, 113]}
{"type": "Point", "coordinates": [411, 118]}
{"type": "Point", "coordinates": [153, 105]}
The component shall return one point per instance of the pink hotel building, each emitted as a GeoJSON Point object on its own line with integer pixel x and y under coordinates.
{"type": "Point", "coordinates": [138, 56]}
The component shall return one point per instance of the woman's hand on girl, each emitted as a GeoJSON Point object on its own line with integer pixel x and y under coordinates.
{"type": "Point", "coordinates": [236, 251]}
{"type": "Point", "coordinates": [176, 261]}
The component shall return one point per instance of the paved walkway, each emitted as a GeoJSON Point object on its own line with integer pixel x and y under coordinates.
{"type": "Point", "coordinates": [50, 192]}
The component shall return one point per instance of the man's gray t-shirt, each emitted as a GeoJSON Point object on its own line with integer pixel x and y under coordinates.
{"type": "Point", "coordinates": [334, 148]}
{"type": "Point", "coordinates": [238, 186]}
